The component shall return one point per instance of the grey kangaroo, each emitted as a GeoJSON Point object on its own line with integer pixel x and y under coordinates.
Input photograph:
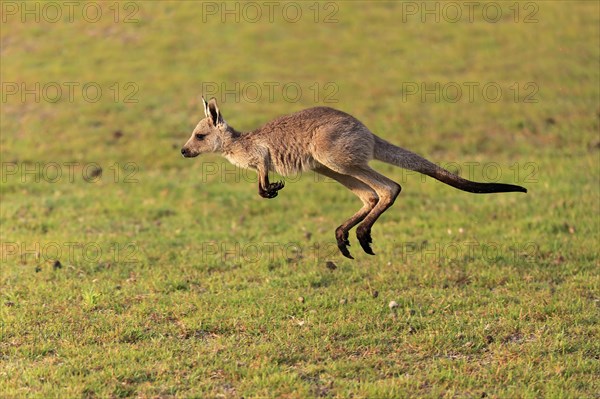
{"type": "Point", "coordinates": [329, 142]}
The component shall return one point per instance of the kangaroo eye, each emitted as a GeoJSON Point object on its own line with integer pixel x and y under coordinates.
{"type": "Point", "coordinates": [200, 136]}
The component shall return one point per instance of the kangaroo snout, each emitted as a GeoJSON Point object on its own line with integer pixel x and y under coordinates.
{"type": "Point", "coordinates": [187, 153]}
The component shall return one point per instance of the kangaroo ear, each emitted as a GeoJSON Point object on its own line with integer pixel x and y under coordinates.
{"type": "Point", "coordinates": [205, 107]}
{"type": "Point", "coordinates": [214, 113]}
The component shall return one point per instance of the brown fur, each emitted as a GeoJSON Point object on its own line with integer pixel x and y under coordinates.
{"type": "Point", "coordinates": [329, 142]}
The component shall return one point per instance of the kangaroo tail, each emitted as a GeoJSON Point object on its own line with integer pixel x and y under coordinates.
{"type": "Point", "coordinates": [394, 155]}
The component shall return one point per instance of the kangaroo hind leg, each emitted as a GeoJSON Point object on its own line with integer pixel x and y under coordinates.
{"type": "Point", "coordinates": [387, 191]}
{"type": "Point", "coordinates": [366, 194]}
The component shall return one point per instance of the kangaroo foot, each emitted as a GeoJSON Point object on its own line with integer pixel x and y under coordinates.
{"type": "Point", "coordinates": [276, 186]}
{"type": "Point", "coordinates": [364, 238]}
{"type": "Point", "coordinates": [271, 190]}
{"type": "Point", "coordinates": [343, 242]}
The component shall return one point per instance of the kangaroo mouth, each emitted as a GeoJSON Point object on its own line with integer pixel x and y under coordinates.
{"type": "Point", "coordinates": [188, 154]}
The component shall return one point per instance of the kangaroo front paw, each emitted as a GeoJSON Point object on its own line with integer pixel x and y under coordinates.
{"type": "Point", "coordinates": [365, 240]}
{"type": "Point", "coordinates": [267, 194]}
{"type": "Point", "coordinates": [271, 191]}
{"type": "Point", "coordinates": [276, 186]}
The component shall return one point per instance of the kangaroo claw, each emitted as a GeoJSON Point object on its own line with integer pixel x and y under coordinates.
{"type": "Point", "coordinates": [343, 242]}
{"type": "Point", "coordinates": [268, 194]}
{"type": "Point", "coordinates": [344, 250]}
{"type": "Point", "coordinates": [271, 190]}
{"type": "Point", "coordinates": [276, 186]}
{"type": "Point", "coordinates": [365, 240]}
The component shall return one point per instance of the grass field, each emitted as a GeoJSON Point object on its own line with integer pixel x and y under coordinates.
{"type": "Point", "coordinates": [128, 271]}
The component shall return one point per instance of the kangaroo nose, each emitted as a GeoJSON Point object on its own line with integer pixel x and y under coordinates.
{"type": "Point", "coordinates": [183, 151]}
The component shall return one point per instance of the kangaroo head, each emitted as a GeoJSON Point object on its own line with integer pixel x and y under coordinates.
{"type": "Point", "coordinates": [208, 134]}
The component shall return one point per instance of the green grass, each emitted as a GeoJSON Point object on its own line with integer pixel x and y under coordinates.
{"type": "Point", "coordinates": [175, 279]}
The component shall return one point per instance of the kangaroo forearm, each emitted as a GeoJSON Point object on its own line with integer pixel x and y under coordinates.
{"type": "Point", "coordinates": [263, 182]}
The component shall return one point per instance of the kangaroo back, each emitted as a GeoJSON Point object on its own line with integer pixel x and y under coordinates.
{"type": "Point", "coordinates": [389, 153]}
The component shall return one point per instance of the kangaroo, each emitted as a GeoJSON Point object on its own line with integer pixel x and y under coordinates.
{"type": "Point", "coordinates": [329, 142]}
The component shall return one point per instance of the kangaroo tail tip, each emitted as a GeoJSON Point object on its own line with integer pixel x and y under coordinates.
{"type": "Point", "coordinates": [489, 188]}
{"type": "Point", "coordinates": [518, 189]}
{"type": "Point", "coordinates": [511, 188]}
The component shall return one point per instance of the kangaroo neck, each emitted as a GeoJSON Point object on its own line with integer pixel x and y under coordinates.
{"type": "Point", "coordinates": [231, 140]}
